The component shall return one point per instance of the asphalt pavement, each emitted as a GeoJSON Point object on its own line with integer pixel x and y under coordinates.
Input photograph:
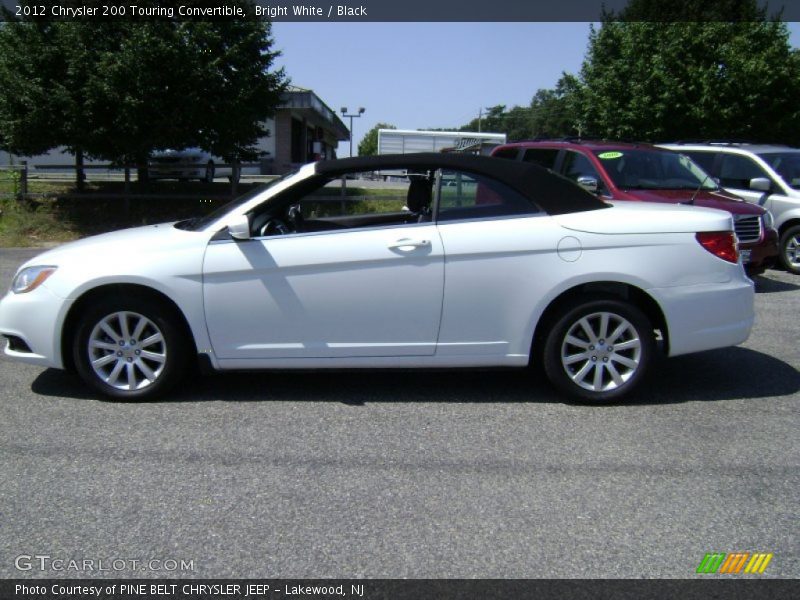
{"type": "Point", "coordinates": [419, 475]}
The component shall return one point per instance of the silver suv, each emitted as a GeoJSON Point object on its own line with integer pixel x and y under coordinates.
{"type": "Point", "coordinates": [768, 175]}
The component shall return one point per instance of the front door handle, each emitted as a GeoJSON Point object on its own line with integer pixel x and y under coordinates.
{"type": "Point", "coordinates": [408, 243]}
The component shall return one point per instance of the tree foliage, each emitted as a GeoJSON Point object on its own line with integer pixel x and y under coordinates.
{"type": "Point", "coordinates": [555, 113]}
{"type": "Point", "coordinates": [656, 81]}
{"type": "Point", "coordinates": [671, 69]}
{"type": "Point", "coordinates": [32, 87]}
{"type": "Point", "coordinates": [664, 11]}
{"type": "Point", "coordinates": [551, 113]}
{"type": "Point", "coordinates": [118, 89]}
{"type": "Point", "coordinates": [493, 120]}
{"type": "Point", "coordinates": [369, 143]}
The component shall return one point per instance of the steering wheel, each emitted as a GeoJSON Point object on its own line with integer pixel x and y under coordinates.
{"type": "Point", "coordinates": [273, 227]}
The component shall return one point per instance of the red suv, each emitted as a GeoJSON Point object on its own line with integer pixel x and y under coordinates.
{"type": "Point", "coordinates": [620, 171]}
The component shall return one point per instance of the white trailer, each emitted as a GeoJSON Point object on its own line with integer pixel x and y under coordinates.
{"type": "Point", "coordinates": [407, 141]}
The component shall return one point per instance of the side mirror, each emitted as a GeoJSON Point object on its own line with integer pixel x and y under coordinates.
{"type": "Point", "coordinates": [760, 184]}
{"type": "Point", "coordinates": [588, 183]}
{"type": "Point", "coordinates": [239, 228]}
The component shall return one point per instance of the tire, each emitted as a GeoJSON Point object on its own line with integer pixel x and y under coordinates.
{"type": "Point", "coordinates": [790, 249]}
{"type": "Point", "coordinates": [209, 174]}
{"type": "Point", "coordinates": [581, 363]}
{"type": "Point", "coordinates": [147, 362]}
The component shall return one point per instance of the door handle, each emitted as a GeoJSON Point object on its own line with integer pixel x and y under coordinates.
{"type": "Point", "coordinates": [409, 243]}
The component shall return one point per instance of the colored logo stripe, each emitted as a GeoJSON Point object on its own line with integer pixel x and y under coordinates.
{"type": "Point", "coordinates": [711, 563]}
{"type": "Point", "coordinates": [733, 563]}
{"type": "Point", "coordinates": [758, 563]}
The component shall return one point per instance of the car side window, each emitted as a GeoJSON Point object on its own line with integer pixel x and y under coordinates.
{"type": "Point", "coordinates": [736, 171]}
{"type": "Point", "coordinates": [704, 159]}
{"type": "Point", "coordinates": [544, 157]}
{"type": "Point", "coordinates": [578, 165]}
{"type": "Point", "coordinates": [469, 196]}
{"type": "Point", "coordinates": [358, 194]}
{"type": "Point", "coordinates": [355, 200]}
{"type": "Point", "coordinates": [509, 153]}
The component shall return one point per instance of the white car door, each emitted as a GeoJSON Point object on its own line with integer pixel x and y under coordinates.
{"type": "Point", "coordinates": [502, 254]}
{"type": "Point", "coordinates": [344, 293]}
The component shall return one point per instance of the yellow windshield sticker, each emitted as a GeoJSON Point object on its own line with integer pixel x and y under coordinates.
{"type": "Point", "coordinates": [609, 155]}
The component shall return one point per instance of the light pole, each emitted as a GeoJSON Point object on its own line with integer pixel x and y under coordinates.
{"type": "Point", "coordinates": [361, 110]}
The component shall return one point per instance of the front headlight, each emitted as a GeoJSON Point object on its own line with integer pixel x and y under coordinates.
{"type": "Point", "coordinates": [769, 221]}
{"type": "Point", "coordinates": [30, 278]}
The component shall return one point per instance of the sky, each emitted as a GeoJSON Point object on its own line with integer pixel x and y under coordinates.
{"type": "Point", "coordinates": [422, 75]}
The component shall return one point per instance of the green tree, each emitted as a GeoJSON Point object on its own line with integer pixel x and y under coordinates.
{"type": "Point", "coordinates": [654, 81]}
{"type": "Point", "coordinates": [28, 116]}
{"type": "Point", "coordinates": [492, 121]}
{"type": "Point", "coordinates": [369, 143]}
{"type": "Point", "coordinates": [119, 89]}
{"type": "Point", "coordinates": [555, 113]}
{"type": "Point", "coordinates": [689, 10]}
{"type": "Point", "coordinates": [517, 123]}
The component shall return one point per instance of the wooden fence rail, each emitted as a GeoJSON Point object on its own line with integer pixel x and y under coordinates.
{"type": "Point", "coordinates": [22, 174]}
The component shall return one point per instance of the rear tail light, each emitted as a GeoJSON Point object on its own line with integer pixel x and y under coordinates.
{"type": "Point", "coordinates": [721, 244]}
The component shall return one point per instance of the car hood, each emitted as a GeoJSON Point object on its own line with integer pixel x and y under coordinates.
{"type": "Point", "coordinates": [634, 217]}
{"type": "Point", "coordinates": [137, 243]}
{"type": "Point", "coordinates": [705, 198]}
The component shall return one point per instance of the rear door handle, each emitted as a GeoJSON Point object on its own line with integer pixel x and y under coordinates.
{"type": "Point", "coordinates": [408, 243]}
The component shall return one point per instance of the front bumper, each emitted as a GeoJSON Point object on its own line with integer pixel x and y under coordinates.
{"type": "Point", "coordinates": [34, 318]}
{"type": "Point", "coordinates": [763, 254]}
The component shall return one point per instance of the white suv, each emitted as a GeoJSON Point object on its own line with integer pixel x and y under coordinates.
{"type": "Point", "coordinates": [768, 175]}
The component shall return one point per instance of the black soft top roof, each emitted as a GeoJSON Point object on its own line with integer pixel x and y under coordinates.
{"type": "Point", "coordinates": [556, 195]}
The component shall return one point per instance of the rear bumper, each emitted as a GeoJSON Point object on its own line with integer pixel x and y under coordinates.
{"type": "Point", "coordinates": [707, 316]}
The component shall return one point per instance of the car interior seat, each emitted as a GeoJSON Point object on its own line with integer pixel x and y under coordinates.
{"type": "Point", "coordinates": [420, 195]}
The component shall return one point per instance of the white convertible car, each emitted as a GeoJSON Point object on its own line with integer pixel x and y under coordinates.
{"type": "Point", "coordinates": [456, 261]}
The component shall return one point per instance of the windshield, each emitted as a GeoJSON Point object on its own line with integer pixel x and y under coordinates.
{"type": "Point", "coordinates": [785, 164]}
{"type": "Point", "coordinates": [653, 170]}
{"type": "Point", "coordinates": [199, 223]}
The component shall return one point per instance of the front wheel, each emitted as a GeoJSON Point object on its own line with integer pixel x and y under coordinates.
{"type": "Point", "coordinates": [598, 350]}
{"type": "Point", "coordinates": [790, 249]}
{"type": "Point", "coordinates": [129, 348]}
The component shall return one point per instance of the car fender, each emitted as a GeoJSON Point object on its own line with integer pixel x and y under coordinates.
{"type": "Point", "coordinates": [783, 217]}
{"type": "Point", "coordinates": [575, 283]}
{"type": "Point", "coordinates": [104, 264]}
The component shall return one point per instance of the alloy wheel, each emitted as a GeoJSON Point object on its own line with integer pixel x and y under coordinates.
{"type": "Point", "coordinates": [127, 351]}
{"type": "Point", "coordinates": [601, 351]}
{"type": "Point", "coordinates": [792, 251]}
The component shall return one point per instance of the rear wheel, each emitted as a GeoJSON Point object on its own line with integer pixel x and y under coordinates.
{"type": "Point", "coordinates": [599, 350]}
{"type": "Point", "coordinates": [790, 249]}
{"type": "Point", "coordinates": [130, 348]}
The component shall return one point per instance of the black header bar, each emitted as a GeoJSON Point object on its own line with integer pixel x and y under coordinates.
{"type": "Point", "coordinates": [362, 10]}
